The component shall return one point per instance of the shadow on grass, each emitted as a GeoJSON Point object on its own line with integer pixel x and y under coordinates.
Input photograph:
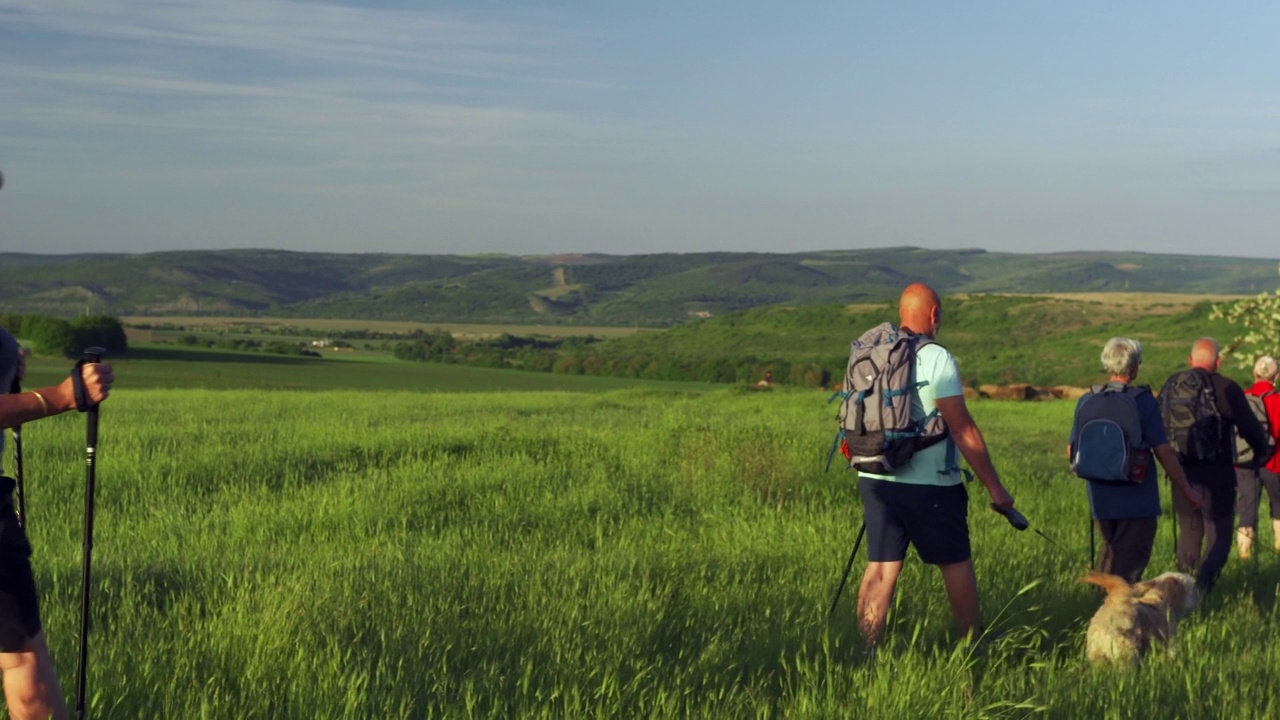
{"type": "Point", "coordinates": [1257, 581]}
{"type": "Point", "coordinates": [213, 356]}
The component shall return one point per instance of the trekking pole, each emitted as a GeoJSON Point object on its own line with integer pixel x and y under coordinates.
{"type": "Point", "coordinates": [88, 355]}
{"type": "Point", "coordinates": [1093, 552]}
{"type": "Point", "coordinates": [848, 566]}
{"type": "Point", "coordinates": [16, 389]}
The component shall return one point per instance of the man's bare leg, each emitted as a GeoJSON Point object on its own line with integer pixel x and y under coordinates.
{"type": "Point", "coordinates": [31, 687]}
{"type": "Point", "coordinates": [962, 592]}
{"type": "Point", "coordinates": [875, 595]}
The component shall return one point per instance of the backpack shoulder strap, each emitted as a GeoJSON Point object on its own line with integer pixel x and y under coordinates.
{"type": "Point", "coordinates": [1075, 414]}
{"type": "Point", "coordinates": [1127, 396]}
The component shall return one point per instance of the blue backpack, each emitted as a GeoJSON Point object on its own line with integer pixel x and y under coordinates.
{"type": "Point", "coordinates": [1106, 437]}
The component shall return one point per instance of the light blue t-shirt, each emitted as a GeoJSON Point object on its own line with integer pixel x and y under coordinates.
{"type": "Point", "coordinates": [934, 465]}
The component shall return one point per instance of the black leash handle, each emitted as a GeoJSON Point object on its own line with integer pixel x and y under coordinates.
{"type": "Point", "coordinates": [84, 405]}
{"type": "Point", "coordinates": [1015, 518]}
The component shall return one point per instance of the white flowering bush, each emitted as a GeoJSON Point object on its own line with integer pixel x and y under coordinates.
{"type": "Point", "coordinates": [1259, 318]}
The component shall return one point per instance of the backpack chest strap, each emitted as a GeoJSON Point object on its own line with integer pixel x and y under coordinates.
{"type": "Point", "coordinates": [888, 394]}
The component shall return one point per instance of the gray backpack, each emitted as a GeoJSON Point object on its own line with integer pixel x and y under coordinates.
{"type": "Point", "coordinates": [1242, 453]}
{"type": "Point", "coordinates": [877, 433]}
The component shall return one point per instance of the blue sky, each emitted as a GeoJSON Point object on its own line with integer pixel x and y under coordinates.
{"type": "Point", "coordinates": [549, 127]}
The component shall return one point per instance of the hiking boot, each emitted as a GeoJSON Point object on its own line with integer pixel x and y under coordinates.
{"type": "Point", "coordinates": [1244, 541]}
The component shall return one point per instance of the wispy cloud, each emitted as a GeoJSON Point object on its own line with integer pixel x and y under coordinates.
{"type": "Point", "coordinates": [318, 83]}
{"type": "Point", "coordinates": [420, 41]}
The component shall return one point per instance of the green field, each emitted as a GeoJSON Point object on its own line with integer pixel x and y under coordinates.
{"type": "Point", "coordinates": [641, 551]}
{"type": "Point", "coordinates": [169, 366]}
{"type": "Point", "coordinates": [158, 327]}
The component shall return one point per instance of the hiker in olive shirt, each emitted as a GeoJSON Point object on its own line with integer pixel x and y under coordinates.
{"type": "Point", "coordinates": [925, 504]}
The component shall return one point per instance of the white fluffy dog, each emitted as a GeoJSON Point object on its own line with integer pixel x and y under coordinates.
{"type": "Point", "coordinates": [1135, 617]}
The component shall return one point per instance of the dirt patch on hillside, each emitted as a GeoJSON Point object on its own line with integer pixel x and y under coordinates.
{"type": "Point", "coordinates": [1146, 303]}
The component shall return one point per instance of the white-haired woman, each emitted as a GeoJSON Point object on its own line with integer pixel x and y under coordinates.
{"type": "Point", "coordinates": [1126, 514]}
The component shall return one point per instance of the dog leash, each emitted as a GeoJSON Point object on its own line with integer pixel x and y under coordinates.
{"type": "Point", "coordinates": [1020, 523]}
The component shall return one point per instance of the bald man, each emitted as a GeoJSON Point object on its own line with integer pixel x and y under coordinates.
{"type": "Point", "coordinates": [924, 504]}
{"type": "Point", "coordinates": [1209, 470]}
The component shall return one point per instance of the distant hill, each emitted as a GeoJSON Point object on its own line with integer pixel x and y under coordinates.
{"type": "Point", "coordinates": [656, 290]}
{"type": "Point", "coordinates": [997, 339]}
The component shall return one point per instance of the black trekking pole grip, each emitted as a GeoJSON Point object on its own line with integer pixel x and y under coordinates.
{"type": "Point", "coordinates": [88, 355]}
{"type": "Point", "coordinates": [83, 403]}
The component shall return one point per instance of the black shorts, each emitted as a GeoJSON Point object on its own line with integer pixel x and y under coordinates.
{"type": "Point", "coordinates": [19, 608]}
{"type": "Point", "coordinates": [933, 519]}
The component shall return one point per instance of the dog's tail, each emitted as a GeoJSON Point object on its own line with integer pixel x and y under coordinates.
{"type": "Point", "coordinates": [1115, 585]}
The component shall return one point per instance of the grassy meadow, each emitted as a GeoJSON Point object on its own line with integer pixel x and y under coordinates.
{"type": "Point", "coordinates": [596, 550]}
{"type": "Point", "coordinates": [150, 366]}
{"type": "Point", "coordinates": [161, 327]}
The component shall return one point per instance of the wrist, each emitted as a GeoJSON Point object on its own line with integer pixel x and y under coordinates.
{"type": "Point", "coordinates": [60, 398]}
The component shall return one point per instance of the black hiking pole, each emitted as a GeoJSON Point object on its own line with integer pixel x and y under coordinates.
{"type": "Point", "coordinates": [848, 567]}
{"type": "Point", "coordinates": [17, 462]}
{"type": "Point", "coordinates": [1093, 550]}
{"type": "Point", "coordinates": [84, 405]}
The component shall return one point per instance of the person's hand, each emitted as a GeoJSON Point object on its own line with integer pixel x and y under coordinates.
{"type": "Point", "coordinates": [97, 380]}
{"type": "Point", "coordinates": [97, 385]}
{"type": "Point", "coordinates": [1000, 498]}
{"type": "Point", "coordinates": [1193, 497]}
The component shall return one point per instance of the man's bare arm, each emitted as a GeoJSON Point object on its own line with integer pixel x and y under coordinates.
{"type": "Point", "coordinates": [969, 441]}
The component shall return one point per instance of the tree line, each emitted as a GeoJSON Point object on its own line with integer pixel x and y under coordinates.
{"type": "Point", "coordinates": [55, 336]}
{"type": "Point", "coordinates": [588, 356]}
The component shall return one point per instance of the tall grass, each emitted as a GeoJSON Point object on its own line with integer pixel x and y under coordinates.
{"type": "Point", "coordinates": [644, 552]}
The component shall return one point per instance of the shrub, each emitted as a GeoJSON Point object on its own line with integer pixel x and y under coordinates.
{"type": "Point", "coordinates": [50, 335]}
{"type": "Point", "coordinates": [103, 331]}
